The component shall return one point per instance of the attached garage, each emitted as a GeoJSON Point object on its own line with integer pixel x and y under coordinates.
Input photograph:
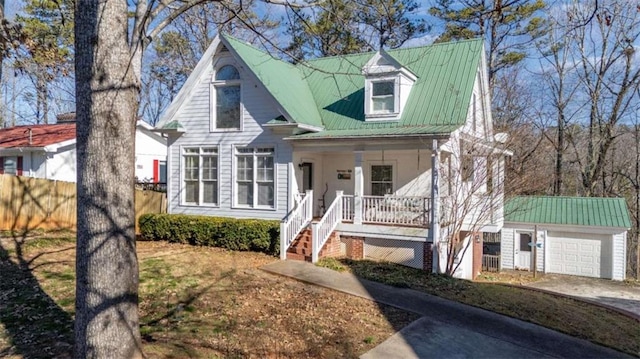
{"type": "Point", "coordinates": [570, 235]}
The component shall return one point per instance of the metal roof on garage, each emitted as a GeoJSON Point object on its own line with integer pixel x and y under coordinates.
{"type": "Point", "coordinates": [581, 211]}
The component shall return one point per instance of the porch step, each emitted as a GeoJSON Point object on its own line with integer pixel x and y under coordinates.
{"type": "Point", "coordinates": [300, 250]}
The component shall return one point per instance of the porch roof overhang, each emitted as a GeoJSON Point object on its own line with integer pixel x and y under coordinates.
{"type": "Point", "coordinates": [484, 147]}
{"type": "Point", "coordinates": [368, 143]}
{"type": "Point", "coordinates": [372, 139]}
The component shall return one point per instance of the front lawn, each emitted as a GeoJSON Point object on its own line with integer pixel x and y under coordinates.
{"type": "Point", "coordinates": [576, 318]}
{"type": "Point", "coordinates": [197, 302]}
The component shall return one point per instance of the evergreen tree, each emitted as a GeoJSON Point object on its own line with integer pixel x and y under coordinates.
{"type": "Point", "coordinates": [508, 27]}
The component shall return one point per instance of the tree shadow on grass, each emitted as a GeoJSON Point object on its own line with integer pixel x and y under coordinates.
{"type": "Point", "coordinates": [34, 325]}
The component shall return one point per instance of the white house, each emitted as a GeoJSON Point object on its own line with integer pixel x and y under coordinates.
{"type": "Point", "coordinates": [575, 235]}
{"type": "Point", "coordinates": [360, 153]}
{"type": "Point", "coordinates": [49, 151]}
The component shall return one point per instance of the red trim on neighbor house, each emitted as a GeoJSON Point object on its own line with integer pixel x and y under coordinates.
{"type": "Point", "coordinates": [19, 166]}
{"type": "Point", "coordinates": [36, 135]}
{"type": "Point", "coordinates": [156, 171]}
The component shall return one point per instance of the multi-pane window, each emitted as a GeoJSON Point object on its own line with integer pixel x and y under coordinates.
{"type": "Point", "coordinates": [255, 179]}
{"type": "Point", "coordinates": [200, 175]}
{"type": "Point", "coordinates": [381, 180]}
{"type": "Point", "coordinates": [383, 96]}
{"type": "Point", "coordinates": [227, 98]}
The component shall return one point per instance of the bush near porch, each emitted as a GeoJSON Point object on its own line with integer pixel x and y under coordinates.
{"type": "Point", "coordinates": [229, 233]}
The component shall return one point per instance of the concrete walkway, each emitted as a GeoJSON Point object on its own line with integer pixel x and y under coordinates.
{"type": "Point", "coordinates": [621, 295]}
{"type": "Point", "coordinates": [448, 329]}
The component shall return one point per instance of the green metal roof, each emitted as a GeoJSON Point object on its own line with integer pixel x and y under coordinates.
{"type": "Point", "coordinates": [373, 132]}
{"type": "Point", "coordinates": [582, 211]}
{"type": "Point", "coordinates": [329, 92]}
{"type": "Point", "coordinates": [440, 96]}
{"type": "Point", "coordinates": [284, 81]}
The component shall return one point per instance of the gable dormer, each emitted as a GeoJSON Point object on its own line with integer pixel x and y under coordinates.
{"type": "Point", "coordinates": [387, 86]}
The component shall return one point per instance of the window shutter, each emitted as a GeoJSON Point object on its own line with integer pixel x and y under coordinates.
{"type": "Point", "coordinates": [156, 171]}
{"type": "Point", "coordinates": [19, 166]}
{"type": "Point", "coordinates": [1, 165]}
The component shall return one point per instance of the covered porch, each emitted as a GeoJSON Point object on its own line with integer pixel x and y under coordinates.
{"type": "Point", "coordinates": [373, 190]}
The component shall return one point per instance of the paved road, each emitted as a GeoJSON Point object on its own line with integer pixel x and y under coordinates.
{"type": "Point", "coordinates": [448, 329]}
{"type": "Point", "coordinates": [625, 296]}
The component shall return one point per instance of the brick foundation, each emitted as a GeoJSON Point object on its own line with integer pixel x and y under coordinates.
{"type": "Point", "coordinates": [427, 263]}
{"type": "Point", "coordinates": [355, 247]}
{"type": "Point", "coordinates": [332, 247]}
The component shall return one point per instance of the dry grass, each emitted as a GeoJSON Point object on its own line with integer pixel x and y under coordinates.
{"type": "Point", "coordinates": [194, 302]}
{"type": "Point", "coordinates": [576, 318]}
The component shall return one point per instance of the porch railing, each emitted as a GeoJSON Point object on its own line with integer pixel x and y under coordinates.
{"type": "Point", "coordinates": [490, 263]}
{"type": "Point", "coordinates": [297, 220]}
{"type": "Point", "coordinates": [321, 231]}
{"type": "Point", "coordinates": [393, 210]}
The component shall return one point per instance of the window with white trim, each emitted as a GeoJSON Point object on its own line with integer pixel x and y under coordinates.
{"type": "Point", "coordinates": [200, 175]}
{"type": "Point", "coordinates": [383, 97]}
{"type": "Point", "coordinates": [381, 180]}
{"type": "Point", "coordinates": [226, 99]}
{"type": "Point", "coordinates": [255, 177]}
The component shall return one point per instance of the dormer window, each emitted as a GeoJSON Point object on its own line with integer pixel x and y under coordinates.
{"type": "Point", "coordinates": [226, 99]}
{"type": "Point", "coordinates": [383, 97]}
{"type": "Point", "coordinates": [387, 88]}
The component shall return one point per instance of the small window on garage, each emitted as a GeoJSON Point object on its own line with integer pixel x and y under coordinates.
{"type": "Point", "coordinates": [525, 239]}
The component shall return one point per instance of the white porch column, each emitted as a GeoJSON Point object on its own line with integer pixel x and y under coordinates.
{"type": "Point", "coordinates": [291, 182]}
{"type": "Point", "coordinates": [358, 190]}
{"type": "Point", "coordinates": [439, 263]}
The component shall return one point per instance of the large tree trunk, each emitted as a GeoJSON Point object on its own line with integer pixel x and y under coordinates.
{"type": "Point", "coordinates": [106, 323]}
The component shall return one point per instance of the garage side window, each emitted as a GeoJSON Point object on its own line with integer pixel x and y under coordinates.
{"type": "Point", "coordinates": [525, 238]}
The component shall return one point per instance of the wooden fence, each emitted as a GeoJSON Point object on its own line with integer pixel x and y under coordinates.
{"type": "Point", "coordinates": [32, 203]}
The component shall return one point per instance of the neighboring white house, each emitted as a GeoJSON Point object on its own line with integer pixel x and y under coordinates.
{"type": "Point", "coordinates": [575, 235]}
{"type": "Point", "coordinates": [49, 151]}
{"type": "Point", "coordinates": [350, 140]}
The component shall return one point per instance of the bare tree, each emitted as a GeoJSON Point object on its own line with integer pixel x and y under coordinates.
{"type": "Point", "coordinates": [557, 69]}
{"type": "Point", "coordinates": [472, 193]}
{"type": "Point", "coordinates": [610, 77]}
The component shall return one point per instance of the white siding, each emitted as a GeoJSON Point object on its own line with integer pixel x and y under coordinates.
{"type": "Point", "coordinates": [37, 165]}
{"type": "Point", "coordinates": [476, 120]}
{"type": "Point", "coordinates": [149, 147]}
{"type": "Point", "coordinates": [506, 248]}
{"type": "Point", "coordinates": [619, 256]}
{"type": "Point", "coordinates": [194, 115]}
{"type": "Point", "coordinates": [61, 166]}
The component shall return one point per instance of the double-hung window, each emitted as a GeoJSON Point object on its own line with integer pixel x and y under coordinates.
{"type": "Point", "coordinates": [226, 99]}
{"type": "Point", "coordinates": [255, 177]}
{"type": "Point", "coordinates": [381, 180]}
{"type": "Point", "coordinates": [383, 97]}
{"type": "Point", "coordinates": [200, 175]}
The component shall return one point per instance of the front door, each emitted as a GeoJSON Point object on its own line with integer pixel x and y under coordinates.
{"type": "Point", "coordinates": [523, 251]}
{"type": "Point", "coordinates": [307, 176]}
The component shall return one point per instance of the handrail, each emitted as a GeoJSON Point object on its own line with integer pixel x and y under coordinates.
{"type": "Point", "coordinates": [322, 230]}
{"type": "Point", "coordinates": [299, 218]}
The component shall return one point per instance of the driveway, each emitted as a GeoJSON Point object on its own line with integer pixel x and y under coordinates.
{"type": "Point", "coordinates": [621, 295]}
{"type": "Point", "coordinates": [447, 329]}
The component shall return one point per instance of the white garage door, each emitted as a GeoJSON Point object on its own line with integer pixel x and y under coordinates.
{"type": "Point", "coordinates": [580, 254]}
